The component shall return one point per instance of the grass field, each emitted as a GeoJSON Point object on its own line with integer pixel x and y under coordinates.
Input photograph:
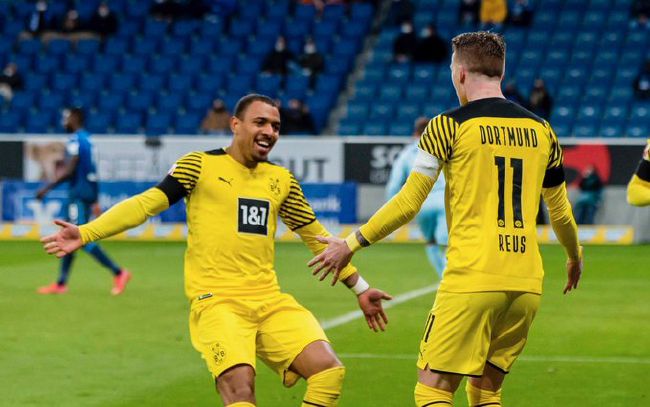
{"type": "Point", "coordinates": [86, 348]}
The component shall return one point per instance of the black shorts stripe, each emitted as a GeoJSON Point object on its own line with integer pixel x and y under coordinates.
{"type": "Point", "coordinates": [643, 171]}
{"type": "Point", "coordinates": [497, 367]}
{"type": "Point", "coordinates": [437, 402]}
{"type": "Point", "coordinates": [553, 177]}
{"type": "Point", "coordinates": [313, 404]}
{"type": "Point", "coordinates": [446, 372]}
{"type": "Point", "coordinates": [172, 187]}
{"type": "Point", "coordinates": [492, 403]}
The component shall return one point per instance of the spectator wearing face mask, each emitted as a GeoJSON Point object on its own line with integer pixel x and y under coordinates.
{"type": "Point", "coordinates": [430, 46]}
{"type": "Point", "coordinates": [405, 43]}
{"type": "Point", "coordinates": [311, 61]}
{"type": "Point", "coordinates": [104, 21]}
{"type": "Point", "coordinates": [642, 82]}
{"type": "Point", "coordinates": [39, 21]}
{"type": "Point", "coordinates": [277, 61]}
{"type": "Point", "coordinates": [10, 81]}
{"type": "Point", "coordinates": [296, 118]}
{"type": "Point", "coordinates": [540, 101]}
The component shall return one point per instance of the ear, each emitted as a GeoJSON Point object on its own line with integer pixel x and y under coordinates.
{"type": "Point", "coordinates": [234, 123]}
{"type": "Point", "coordinates": [462, 74]}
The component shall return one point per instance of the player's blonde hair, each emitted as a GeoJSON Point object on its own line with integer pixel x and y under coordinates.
{"type": "Point", "coordinates": [481, 52]}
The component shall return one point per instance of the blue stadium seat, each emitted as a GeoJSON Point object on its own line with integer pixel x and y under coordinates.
{"type": "Point", "coordinates": [128, 123]}
{"type": "Point", "coordinates": [172, 46]}
{"type": "Point", "coordinates": [98, 122]}
{"type": "Point", "coordinates": [399, 73]}
{"type": "Point", "coordinates": [83, 99]}
{"type": "Point", "coordinates": [145, 46]}
{"type": "Point", "coordinates": [38, 121]}
{"type": "Point", "coordinates": [583, 128]}
{"type": "Point", "coordinates": [621, 95]}
{"type": "Point", "coordinates": [199, 102]}
{"type": "Point", "coordinates": [408, 111]}
{"type": "Point", "coordinates": [155, 28]}
{"type": "Point", "coordinates": [242, 28]}
{"type": "Point", "coordinates": [116, 46]}
{"type": "Point", "coordinates": [105, 64]}
{"type": "Point", "coordinates": [612, 129]}
{"type": "Point", "coordinates": [345, 128]}
{"type": "Point", "coordinates": [22, 101]}
{"type": "Point", "coordinates": [297, 85]}
{"type": "Point", "coordinates": [59, 47]}
{"type": "Point", "coordinates": [162, 64]}
{"type": "Point", "coordinates": [230, 47]}
{"type": "Point", "coordinates": [424, 74]}
{"type": "Point", "coordinates": [134, 64]}
{"type": "Point", "coordinates": [187, 124]}
{"type": "Point", "coordinates": [92, 82]}
{"type": "Point", "coordinates": [169, 102]}
{"type": "Point", "coordinates": [202, 46]}
{"type": "Point", "coordinates": [29, 47]}
{"type": "Point", "coordinates": [390, 93]}
{"type": "Point", "coordinates": [305, 12]}
{"type": "Point", "coordinates": [158, 123]}
{"type": "Point", "coordinates": [35, 82]}
{"type": "Point", "coordinates": [184, 28]}
{"type": "Point", "coordinates": [640, 130]}
{"type": "Point", "coordinates": [139, 101]}
{"type": "Point", "coordinates": [296, 29]}
{"type": "Point", "coordinates": [417, 92]}
{"type": "Point", "coordinates": [76, 64]}
{"type": "Point", "coordinates": [122, 82]}
{"type": "Point", "coordinates": [110, 101]}
{"type": "Point", "coordinates": [357, 111]}
{"type": "Point", "coordinates": [375, 128]}
{"type": "Point", "coordinates": [324, 28]}
{"type": "Point", "coordinates": [10, 121]}
{"type": "Point", "coordinates": [381, 110]}
{"type": "Point", "coordinates": [180, 83]}
{"type": "Point", "coordinates": [63, 81]}
{"type": "Point", "coordinates": [333, 12]}
{"type": "Point", "coordinates": [211, 28]}
{"type": "Point", "coordinates": [267, 84]}
{"type": "Point", "coordinates": [151, 82]}
{"type": "Point", "coordinates": [46, 64]}
{"type": "Point", "coordinates": [400, 128]}
{"type": "Point", "coordinates": [128, 28]}
{"type": "Point", "coordinates": [50, 101]}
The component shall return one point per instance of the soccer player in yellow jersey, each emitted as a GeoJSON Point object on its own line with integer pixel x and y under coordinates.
{"type": "Point", "coordinates": [497, 159]}
{"type": "Point", "coordinates": [234, 197]}
{"type": "Point", "coordinates": [638, 190]}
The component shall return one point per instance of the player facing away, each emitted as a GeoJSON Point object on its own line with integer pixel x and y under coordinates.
{"type": "Point", "coordinates": [237, 311]}
{"type": "Point", "coordinates": [497, 158]}
{"type": "Point", "coordinates": [83, 192]}
{"type": "Point", "coordinates": [431, 218]}
{"type": "Point", "coordinates": [638, 189]}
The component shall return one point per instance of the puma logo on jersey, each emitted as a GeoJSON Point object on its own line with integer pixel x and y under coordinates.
{"type": "Point", "coordinates": [227, 181]}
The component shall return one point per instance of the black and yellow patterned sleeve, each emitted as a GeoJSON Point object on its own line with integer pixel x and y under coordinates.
{"type": "Point", "coordinates": [295, 210]}
{"type": "Point", "coordinates": [182, 177]}
{"type": "Point", "coordinates": [554, 170]}
{"type": "Point", "coordinates": [438, 137]}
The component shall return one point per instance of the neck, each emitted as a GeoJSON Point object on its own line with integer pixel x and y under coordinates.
{"type": "Point", "coordinates": [480, 88]}
{"type": "Point", "coordinates": [238, 156]}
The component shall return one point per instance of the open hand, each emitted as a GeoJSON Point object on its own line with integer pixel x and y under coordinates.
{"type": "Point", "coordinates": [370, 304]}
{"type": "Point", "coordinates": [63, 242]}
{"type": "Point", "coordinates": [574, 272]}
{"type": "Point", "coordinates": [334, 258]}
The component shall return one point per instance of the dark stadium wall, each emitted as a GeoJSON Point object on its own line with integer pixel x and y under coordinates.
{"type": "Point", "coordinates": [11, 159]}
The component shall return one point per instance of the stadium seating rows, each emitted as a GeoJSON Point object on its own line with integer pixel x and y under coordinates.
{"type": "Point", "coordinates": [585, 51]}
{"type": "Point", "coordinates": [158, 77]}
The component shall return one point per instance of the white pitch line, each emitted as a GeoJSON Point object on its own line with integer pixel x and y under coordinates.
{"type": "Point", "coordinates": [531, 358]}
{"type": "Point", "coordinates": [398, 299]}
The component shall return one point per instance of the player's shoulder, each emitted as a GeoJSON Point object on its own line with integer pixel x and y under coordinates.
{"type": "Point", "coordinates": [277, 169]}
{"type": "Point", "coordinates": [493, 108]}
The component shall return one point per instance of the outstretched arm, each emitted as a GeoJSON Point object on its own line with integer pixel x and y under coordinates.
{"type": "Point", "coordinates": [125, 215]}
{"type": "Point", "coordinates": [369, 301]}
{"type": "Point", "coordinates": [638, 190]}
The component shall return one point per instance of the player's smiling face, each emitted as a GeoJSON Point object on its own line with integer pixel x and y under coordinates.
{"type": "Point", "coordinates": [256, 133]}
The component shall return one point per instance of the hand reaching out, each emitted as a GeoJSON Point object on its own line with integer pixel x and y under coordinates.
{"type": "Point", "coordinates": [574, 272]}
{"type": "Point", "coordinates": [63, 242]}
{"type": "Point", "coordinates": [370, 304]}
{"type": "Point", "coordinates": [334, 258]}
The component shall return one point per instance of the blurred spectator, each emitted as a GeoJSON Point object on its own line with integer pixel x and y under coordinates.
{"type": "Point", "coordinates": [277, 61]}
{"type": "Point", "coordinates": [540, 101]}
{"type": "Point", "coordinates": [311, 61]}
{"type": "Point", "coordinates": [104, 21]}
{"type": "Point", "coordinates": [511, 93]}
{"type": "Point", "coordinates": [400, 11]}
{"type": "Point", "coordinates": [222, 8]}
{"type": "Point", "coordinates": [468, 12]}
{"type": "Point", "coordinates": [10, 81]}
{"type": "Point", "coordinates": [296, 119]}
{"type": "Point", "coordinates": [165, 9]}
{"type": "Point", "coordinates": [493, 13]}
{"type": "Point", "coordinates": [405, 43]}
{"type": "Point", "coordinates": [430, 46]}
{"type": "Point", "coordinates": [591, 188]}
{"type": "Point", "coordinates": [642, 82]}
{"type": "Point", "coordinates": [70, 29]}
{"type": "Point", "coordinates": [640, 8]}
{"type": "Point", "coordinates": [521, 13]}
{"type": "Point", "coordinates": [217, 119]}
{"type": "Point", "coordinates": [39, 21]}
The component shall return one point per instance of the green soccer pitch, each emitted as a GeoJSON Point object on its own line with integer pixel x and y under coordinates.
{"type": "Point", "coordinates": [86, 348]}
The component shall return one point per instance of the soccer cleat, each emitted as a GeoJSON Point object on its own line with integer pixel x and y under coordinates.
{"type": "Point", "coordinates": [119, 282]}
{"type": "Point", "coordinates": [53, 288]}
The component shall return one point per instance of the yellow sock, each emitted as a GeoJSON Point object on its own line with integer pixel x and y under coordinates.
{"type": "Point", "coordinates": [324, 388]}
{"type": "Point", "coordinates": [482, 397]}
{"type": "Point", "coordinates": [427, 396]}
{"type": "Point", "coordinates": [241, 404]}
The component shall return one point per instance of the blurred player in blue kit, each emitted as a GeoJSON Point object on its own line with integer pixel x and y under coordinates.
{"type": "Point", "coordinates": [431, 218]}
{"type": "Point", "coordinates": [83, 192]}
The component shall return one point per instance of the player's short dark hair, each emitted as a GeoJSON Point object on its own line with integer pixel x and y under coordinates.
{"type": "Point", "coordinates": [244, 102]}
{"type": "Point", "coordinates": [78, 113]}
{"type": "Point", "coordinates": [481, 52]}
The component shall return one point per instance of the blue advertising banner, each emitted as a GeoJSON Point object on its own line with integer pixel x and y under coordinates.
{"type": "Point", "coordinates": [335, 203]}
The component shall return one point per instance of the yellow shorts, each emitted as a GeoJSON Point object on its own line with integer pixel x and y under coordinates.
{"type": "Point", "coordinates": [229, 332]}
{"type": "Point", "coordinates": [466, 330]}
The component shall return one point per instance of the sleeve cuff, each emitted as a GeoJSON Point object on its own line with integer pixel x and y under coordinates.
{"type": "Point", "coordinates": [352, 242]}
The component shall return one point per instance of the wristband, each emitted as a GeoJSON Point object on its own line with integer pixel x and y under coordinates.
{"type": "Point", "coordinates": [360, 286]}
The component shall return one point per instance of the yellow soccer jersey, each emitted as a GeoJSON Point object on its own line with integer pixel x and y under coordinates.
{"type": "Point", "coordinates": [232, 216]}
{"type": "Point", "coordinates": [638, 189]}
{"type": "Point", "coordinates": [496, 156]}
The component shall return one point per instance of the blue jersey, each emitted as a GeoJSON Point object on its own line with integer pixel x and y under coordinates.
{"type": "Point", "coordinates": [83, 184]}
{"type": "Point", "coordinates": [399, 173]}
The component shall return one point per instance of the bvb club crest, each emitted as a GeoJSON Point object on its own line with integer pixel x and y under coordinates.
{"type": "Point", "coordinates": [218, 353]}
{"type": "Point", "coordinates": [275, 185]}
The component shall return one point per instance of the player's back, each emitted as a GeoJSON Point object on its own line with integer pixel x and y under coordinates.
{"type": "Point", "coordinates": [496, 154]}
{"type": "Point", "coordinates": [83, 184]}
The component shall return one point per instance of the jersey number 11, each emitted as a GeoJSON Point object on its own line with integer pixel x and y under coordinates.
{"type": "Point", "coordinates": [517, 165]}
